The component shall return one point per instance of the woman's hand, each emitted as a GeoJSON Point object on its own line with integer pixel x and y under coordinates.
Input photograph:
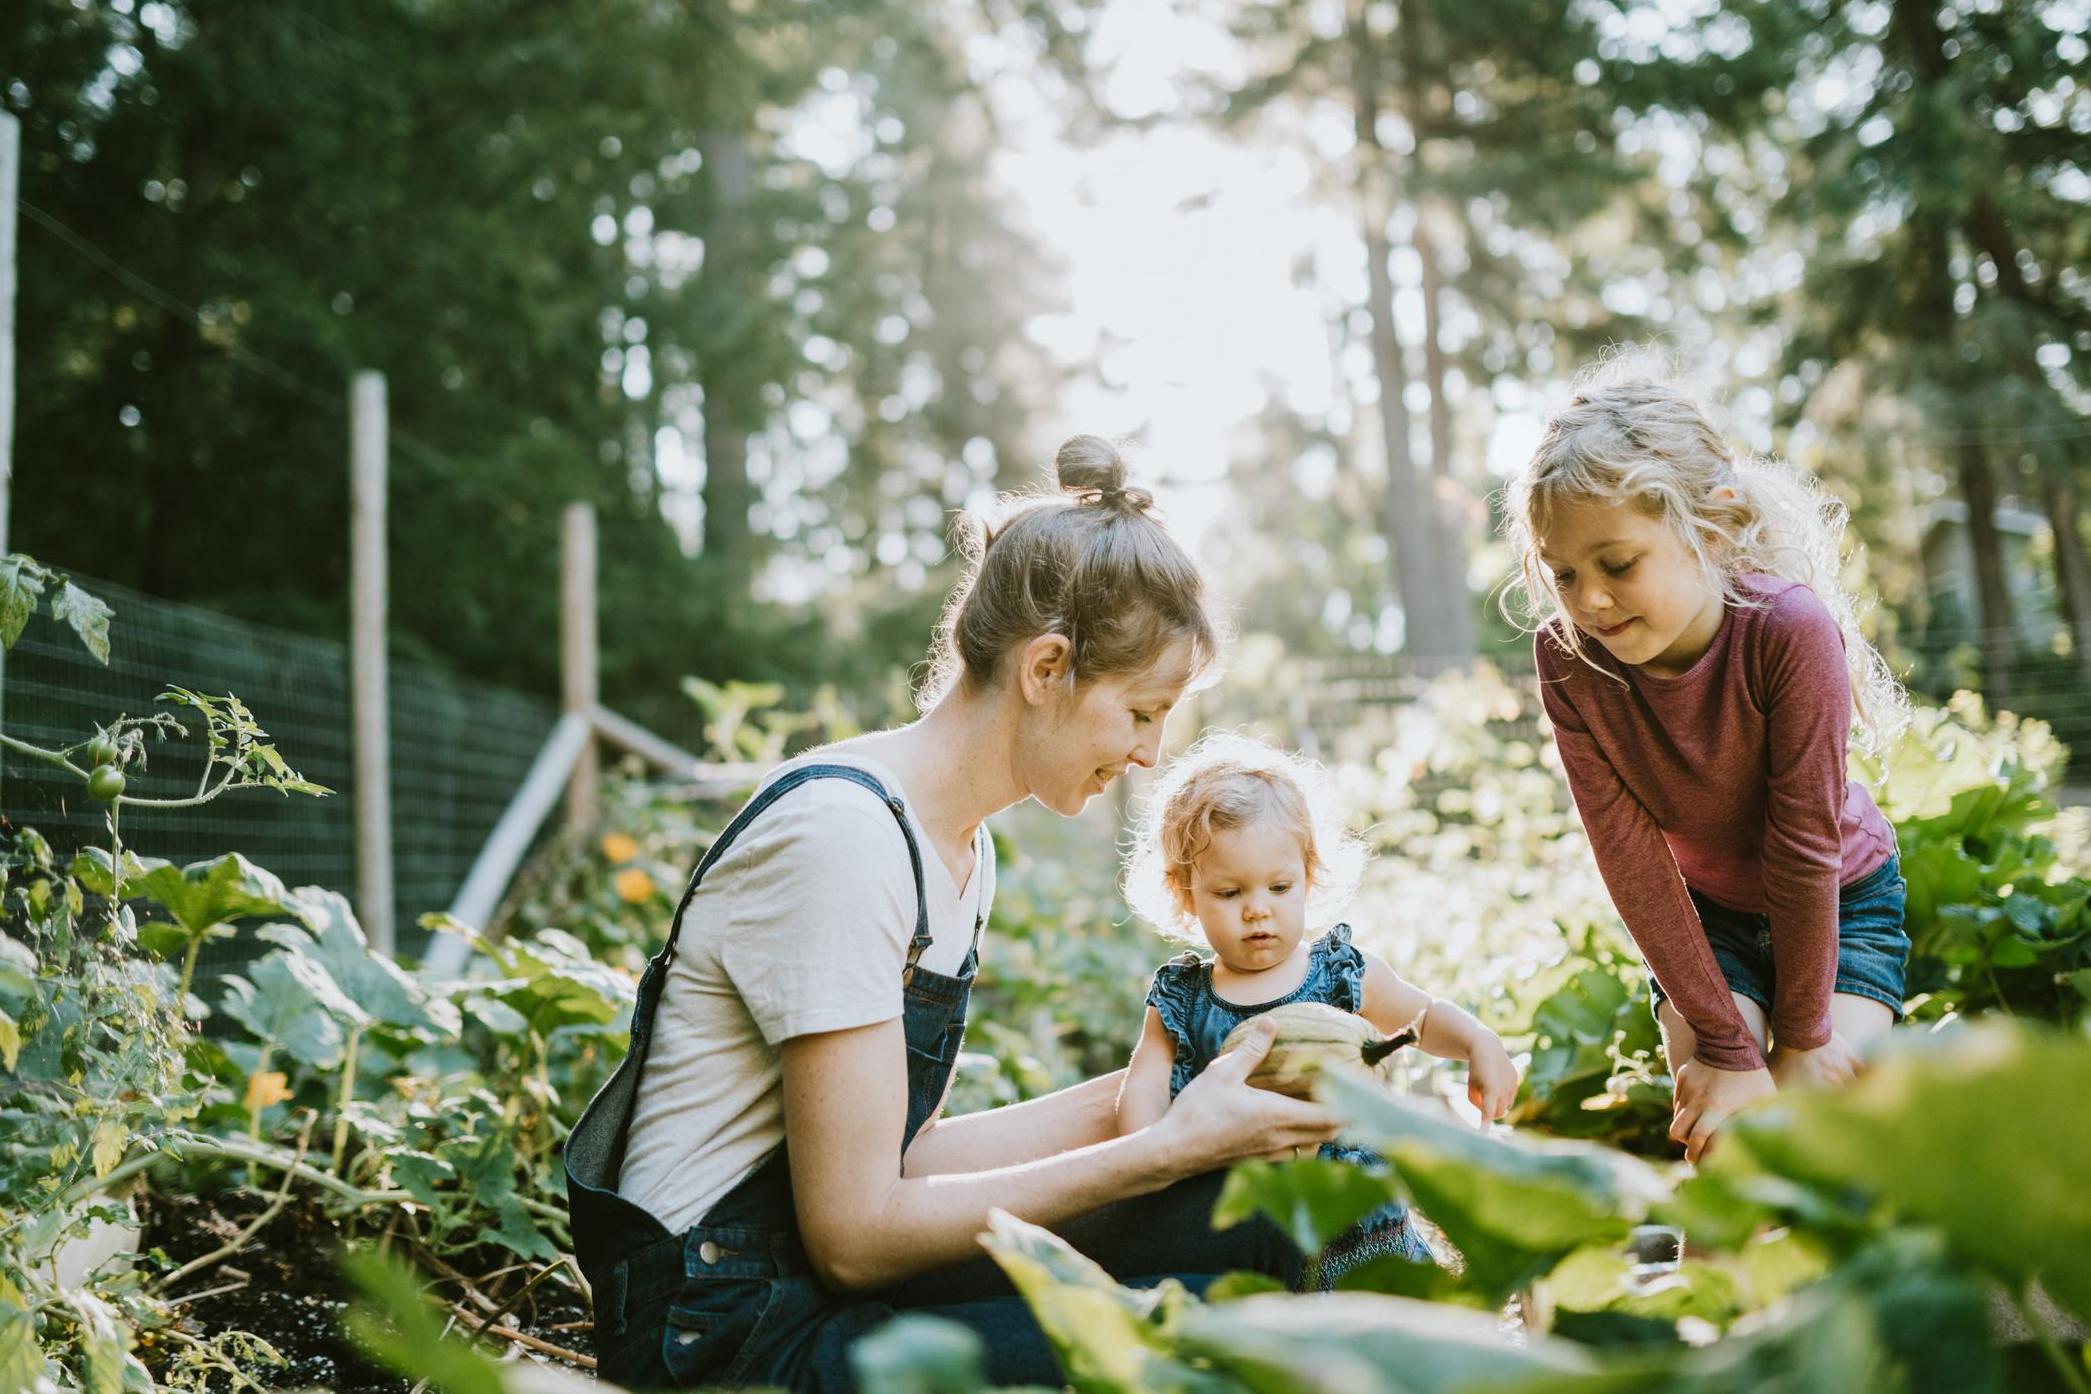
{"type": "Point", "coordinates": [1706, 1096]}
{"type": "Point", "coordinates": [1219, 1118]}
{"type": "Point", "coordinates": [1491, 1078]}
{"type": "Point", "coordinates": [1832, 1063]}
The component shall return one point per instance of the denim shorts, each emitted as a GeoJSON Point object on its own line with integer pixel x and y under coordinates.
{"type": "Point", "coordinates": [1872, 945]}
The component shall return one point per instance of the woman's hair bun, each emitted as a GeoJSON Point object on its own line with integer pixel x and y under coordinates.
{"type": "Point", "coordinates": [1092, 467]}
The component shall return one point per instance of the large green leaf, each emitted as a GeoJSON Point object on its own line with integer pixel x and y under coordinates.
{"type": "Point", "coordinates": [919, 1354]}
{"type": "Point", "coordinates": [1312, 1200]}
{"type": "Point", "coordinates": [21, 582]}
{"type": "Point", "coordinates": [404, 1331]}
{"type": "Point", "coordinates": [279, 1001]}
{"type": "Point", "coordinates": [87, 614]}
{"type": "Point", "coordinates": [1980, 1132]}
{"type": "Point", "coordinates": [1513, 1206]}
{"type": "Point", "coordinates": [1362, 1343]}
{"type": "Point", "coordinates": [331, 936]}
{"type": "Point", "coordinates": [204, 894]}
{"type": "Point", "coordinates": [1110, 1340]}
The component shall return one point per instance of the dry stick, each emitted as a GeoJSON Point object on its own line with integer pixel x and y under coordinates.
{"type": "Point", "coordinates": [209, 1292]}
{"type": "Point", "coordinates": [574, 1357]}
{"type": "Point", "coordinates": [508, 1306]}
{"type": "Point", "coordinates": [254, 1227]}
{"type": "Point", "coordinates": [429, 1259]}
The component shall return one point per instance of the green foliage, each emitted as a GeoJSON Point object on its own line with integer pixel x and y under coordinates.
{"type": "Point", "coordinates": [22, 584]}
{"type": "Point", "coordinates": [1996, 921]}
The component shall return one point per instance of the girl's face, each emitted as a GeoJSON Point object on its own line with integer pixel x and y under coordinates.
{"type": "Point", "coordinates": [1626, 580]}
{"type": "Point", "coordinates": [1249, 892]}
{"type": "Point", "coordinates": [1087, 738]}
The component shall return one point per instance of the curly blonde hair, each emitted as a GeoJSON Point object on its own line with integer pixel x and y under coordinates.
{"type": "Point", "coordinates": [1224, 782]}
{"type": "Point", "coordinates": [1631, 436]}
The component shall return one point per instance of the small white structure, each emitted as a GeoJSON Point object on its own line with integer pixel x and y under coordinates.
{"type": "Point", "coordinates": [1953, 598]}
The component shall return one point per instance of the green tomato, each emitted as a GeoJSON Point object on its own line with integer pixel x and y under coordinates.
{"type": "Point", "coordinates": [105, 783]}
{"type": "Point", "coordinates": [103, 750]}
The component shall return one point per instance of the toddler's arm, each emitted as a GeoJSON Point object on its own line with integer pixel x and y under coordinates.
{"type": "Point", "coordinates": [1144, 1096]}
{"type": "Point", "coordinates": [1443, 1029]}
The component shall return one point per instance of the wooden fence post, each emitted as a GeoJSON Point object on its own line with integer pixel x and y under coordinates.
{"type": "Point", "coordinates": [367, 680]}
{"type": "Point", "coordinates": [577, 653]}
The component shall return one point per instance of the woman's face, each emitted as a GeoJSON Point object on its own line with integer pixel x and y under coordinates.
{"type": "Point", "coordinates": [1081, 740]}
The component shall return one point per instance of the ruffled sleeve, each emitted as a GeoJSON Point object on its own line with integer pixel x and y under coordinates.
{"type": "Point", "coordinates": [1344, 964]}
{"type": "Point", "coordinates": [1175, 989]}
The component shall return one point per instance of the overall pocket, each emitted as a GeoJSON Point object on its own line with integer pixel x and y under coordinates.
{"type": "Point", "coordinates": [711, 1329]}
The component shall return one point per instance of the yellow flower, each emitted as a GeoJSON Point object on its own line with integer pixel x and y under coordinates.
{"type": "Point", "coordinates": [619, 848]}
{"type": "Point", "coordinates": [634, 886]}
{"type": "Point", "coordinates": [268, 1087]}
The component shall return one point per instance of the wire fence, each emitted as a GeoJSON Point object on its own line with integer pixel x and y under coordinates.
{"type": "Point", "coordinates": [459, 749]}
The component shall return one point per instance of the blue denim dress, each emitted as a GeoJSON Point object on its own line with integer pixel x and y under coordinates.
{"type": "Point", "coordinates": [1199, 1020]}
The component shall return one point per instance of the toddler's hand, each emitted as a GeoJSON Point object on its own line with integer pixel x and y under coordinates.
{"type": "Point", "coordinates": [1706, 1096]}
{"type": "Point", "coordinates": [1491, 1079]}
{"type": "Point", "coordinates": [1832, 1063]}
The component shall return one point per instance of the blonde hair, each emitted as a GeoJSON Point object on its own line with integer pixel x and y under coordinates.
{"type": "Point", "coordinates": [1085, 559]}
{"type": "Point", "coordinates": [1224, 782]}
{"type": "Point", "coordinates": [1630, 436]}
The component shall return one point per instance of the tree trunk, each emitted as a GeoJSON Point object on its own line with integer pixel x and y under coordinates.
{"type": "Point", "coordinates": [2072, 567]}
{"type": "Point", "coordinates": [1433, 609]}
{"type": "Point", "coordinates": [1978, 488]}
{"type": "Point", "coordinates": [728, 541]}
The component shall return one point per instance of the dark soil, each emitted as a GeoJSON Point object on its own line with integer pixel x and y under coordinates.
{"type": "Point", "coordinates": [294, 1295]}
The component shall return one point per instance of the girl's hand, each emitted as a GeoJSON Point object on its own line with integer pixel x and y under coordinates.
{"type": "Point", "coordinates": [1491, 1078]}
{"type": "Point", "coordinates": [1830, 1064]}
{"type": "Point", "coordinates": [1706, 1096]}
{"type": "Point", "coordinates": [1220, 1119]}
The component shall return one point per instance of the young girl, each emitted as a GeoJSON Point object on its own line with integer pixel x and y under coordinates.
{"type": "Point", "coordinates": [1240, 842]}
{"type": "Point", "coordinates": [1700, 664]}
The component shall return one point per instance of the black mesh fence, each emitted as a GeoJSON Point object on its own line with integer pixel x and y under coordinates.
{"type": "Point", "coordinates": [459, 749]}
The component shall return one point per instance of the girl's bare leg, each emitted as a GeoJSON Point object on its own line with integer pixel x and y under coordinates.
{"type": "Point", "coordinates": [1680, 1041]}
{"type": "Point", "coordinates": [1859, 1020]}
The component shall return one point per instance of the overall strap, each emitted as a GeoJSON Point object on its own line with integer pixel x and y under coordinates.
{"type": "Point", "coordinates": [983, 868]}
{"type": "Point", "coordinates": [783, 785]}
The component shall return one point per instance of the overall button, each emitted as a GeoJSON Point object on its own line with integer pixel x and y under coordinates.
{"type": "Point", "coordinates": [709, 1252]}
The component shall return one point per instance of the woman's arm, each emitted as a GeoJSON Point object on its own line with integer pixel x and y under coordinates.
{"type": "Point", "coordinates": [1144, 1098]}
{"type": "Point", "coordinates": [997, 1137]}
{"type": "Point", "coordinates": [865, 1226]}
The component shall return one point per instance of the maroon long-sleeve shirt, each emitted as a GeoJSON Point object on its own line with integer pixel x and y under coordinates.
{"type": "Point", "coordinates": [1730, 779]}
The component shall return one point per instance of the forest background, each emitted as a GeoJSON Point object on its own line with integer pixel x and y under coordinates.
{"type": "Point", "coordinates": [778, 285]}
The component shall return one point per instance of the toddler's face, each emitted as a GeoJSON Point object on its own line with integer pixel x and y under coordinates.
{"type": "Point", "coordinates": [1626, 580]}
{"type": "Point", "coordinates": [1249, 892]}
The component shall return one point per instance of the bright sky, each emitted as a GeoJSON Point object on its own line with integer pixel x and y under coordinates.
{"type": "Point", "coordinates": [1179, 246]}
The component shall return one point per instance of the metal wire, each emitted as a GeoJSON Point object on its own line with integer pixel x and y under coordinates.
{"type": "Point", "coordinates": [458, 750]}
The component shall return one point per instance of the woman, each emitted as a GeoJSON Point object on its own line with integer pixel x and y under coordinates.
{"type": "Point", "coordinates": [767, 1177]}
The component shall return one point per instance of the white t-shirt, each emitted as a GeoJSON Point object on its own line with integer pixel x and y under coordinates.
{"type": "Point", "coordinates": [801, 927]}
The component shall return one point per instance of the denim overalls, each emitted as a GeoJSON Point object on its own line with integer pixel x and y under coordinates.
{"type": "Point", "coordinates": [733, 1300]}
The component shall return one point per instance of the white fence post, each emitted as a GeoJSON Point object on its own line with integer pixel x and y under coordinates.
{"type": "Point", "coordinates": [577, 654]}
{"type": "Point", "coordinates": [367, 679]}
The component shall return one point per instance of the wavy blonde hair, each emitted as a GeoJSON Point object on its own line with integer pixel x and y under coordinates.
{"type": "Point", "coordinates": [1631, 436]}
{"type": "Point", "coordinates": [1224, 782]}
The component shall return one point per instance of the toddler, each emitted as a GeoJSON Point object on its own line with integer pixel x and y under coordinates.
{"type": "Point", "coordinates": [1240, 845]}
